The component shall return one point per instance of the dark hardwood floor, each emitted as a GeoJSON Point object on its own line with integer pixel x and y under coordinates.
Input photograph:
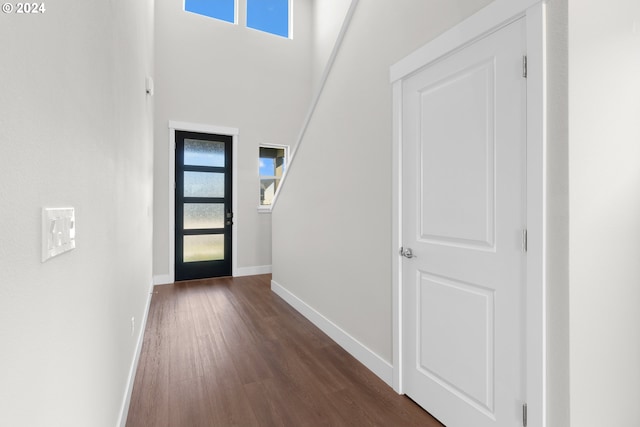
{"type": "Point", "coordinates": [229, 352]}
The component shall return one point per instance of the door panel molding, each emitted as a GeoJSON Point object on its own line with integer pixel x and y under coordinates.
{"type": "Point", "coordinates": [475, 224]}
{"type": "Point", "coordinates": [489, 19]}
{"type": "Point", "coordinates": [201, 128]}
{"type": "Point", "coordinates": [475, 383]}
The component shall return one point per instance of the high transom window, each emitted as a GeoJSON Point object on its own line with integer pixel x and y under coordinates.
{"type": "Point", "coordinates": [225, 10]}
{"type": "Point", "coordinates": [270, 16]}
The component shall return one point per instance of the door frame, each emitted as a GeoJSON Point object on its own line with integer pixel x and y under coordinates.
{"type": "Point", "coordinates": [490, 19]}
{"type": "Point", "coordinates": [211, 129]}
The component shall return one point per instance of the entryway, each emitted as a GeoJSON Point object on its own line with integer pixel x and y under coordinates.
{"type": "Point", "coordinates": [203, 205]}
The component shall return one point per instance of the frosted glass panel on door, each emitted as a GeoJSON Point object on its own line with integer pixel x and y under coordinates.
{"type": "Point", "coordinates": [203, 153]}
{"type": "Point", "coordinates": [208, 247]}
{"type": "Point", "coordinates": [203, 215]}
{"type": "Point", "coordinates": [203, 184]}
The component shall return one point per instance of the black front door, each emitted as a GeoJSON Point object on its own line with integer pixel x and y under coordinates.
{"type": "Point", "coordinates": [203, 205]}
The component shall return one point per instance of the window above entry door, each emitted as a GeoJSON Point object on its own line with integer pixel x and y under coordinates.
{"type": "Point", "coordinates": [269, 16]}
{"type": "Point", "coordinates": [224, 10]}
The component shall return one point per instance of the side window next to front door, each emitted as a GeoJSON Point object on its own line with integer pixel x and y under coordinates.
{"type": "Point", "coordinates": [273, 161]}
{"type": "Point", "coordinates": [203, 205]}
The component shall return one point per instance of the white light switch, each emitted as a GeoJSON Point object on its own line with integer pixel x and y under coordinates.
{"type": "Point", "coordinates": [58, 231]}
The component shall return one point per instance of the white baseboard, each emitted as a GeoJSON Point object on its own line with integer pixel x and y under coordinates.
{"type": "Point", "coordinates": [364, 355]}
{"type": "Point", "coordinates": [124, 410]}
{"type": "Point", "coordinates": [252, 271]}
{"type": "Point", "coordinates": [162, 279]}
{"type": "Point", "coordinates": [165, 279]}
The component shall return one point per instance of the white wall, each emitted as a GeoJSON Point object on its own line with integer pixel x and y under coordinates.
{"type": "Point", "coordinates": [604, 159]}
{"type": "Point", "coordinates": [75, 130]}
{"type": "Point", "coordinates": [328, 16]}
{"type": "Point", "coordinates": [216, 73]}
{"type": "Point", "coordinates": [332, 222]}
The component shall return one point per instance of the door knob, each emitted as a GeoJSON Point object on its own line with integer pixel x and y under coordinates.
{"type": "Point", "coordinates": [407, 253]}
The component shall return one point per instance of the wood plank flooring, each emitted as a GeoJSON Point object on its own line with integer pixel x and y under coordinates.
{"type": "Point", "coordinates": [229, 352]}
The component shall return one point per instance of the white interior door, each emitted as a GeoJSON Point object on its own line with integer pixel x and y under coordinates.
{"type": "Point", "coordinates": [463, 204]}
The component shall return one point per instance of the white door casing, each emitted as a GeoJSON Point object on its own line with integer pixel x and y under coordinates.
{"type": "Point", "coordinates": [477, 383]}
{"type": "Point", "coordinates": [463, 215]}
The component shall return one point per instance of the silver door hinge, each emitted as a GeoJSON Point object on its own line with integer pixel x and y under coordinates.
{"type": "Point", "coordinates": [524, 415]}
{"type": "Point", "coordinates": [525, 240]}
{"type": "Point", "coordinates": [524, 66]}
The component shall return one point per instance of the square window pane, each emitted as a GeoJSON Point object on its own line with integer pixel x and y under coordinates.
{"type": "Point", "coordinates": [271, 16]}
{"type": "Point", "coordinates": [203, 215]}
{"type": "Point", "coordinates": [203, 184]}
{"type": "Point", "coordinates": [218, 9]}
{"type": "Point", "coordinates": [272, 161]}
{"type": "Point", "coordinates": [208, 247]}
{"type": "Point", "coordinates": [267, 166]}
{"type": "Point", "coordinates": [198, 152]}
{"type": "Point", "coordinates": [268, 189]}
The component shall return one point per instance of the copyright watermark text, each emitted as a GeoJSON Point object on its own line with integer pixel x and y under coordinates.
{"type": "Point", "coordinates": [24, 8]}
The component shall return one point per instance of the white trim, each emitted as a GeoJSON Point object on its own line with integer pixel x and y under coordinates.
{"type": "Point", "coordinates": [396, 236]}
{"type": "Point", "coordinates": [172, 201]}
{"type": "Point", "coordinates": [162, 279]}
{"type": "Point", "coordinates": [126, 401]}
{"type": "Point", "coordinates": [316, 98]}
{"type": "Point", "coordinates": [234, 203]}
{"type": "Point", "coordinates": [290, 20]}
{"type": "Point", "coordinates": [536, 221]}
{"type": "Point", "coordinates": [364, 355]}
{"type": "Point", "coordinates": [487, 20]}
{"type": "Point", "coordinates": [203, 128]}
{"type": "Point", "coordinates": [252, 271]}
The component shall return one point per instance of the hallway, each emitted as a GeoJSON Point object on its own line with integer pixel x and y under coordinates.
{"type": "Point", "coordinates": [229, 352]}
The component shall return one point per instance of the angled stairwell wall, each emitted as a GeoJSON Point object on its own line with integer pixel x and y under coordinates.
{"type": "Point", "coordinates": [332, 221]}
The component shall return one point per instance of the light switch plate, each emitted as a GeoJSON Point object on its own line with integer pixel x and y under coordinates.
{"type": "Point", "coordinates": [58, 231]}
